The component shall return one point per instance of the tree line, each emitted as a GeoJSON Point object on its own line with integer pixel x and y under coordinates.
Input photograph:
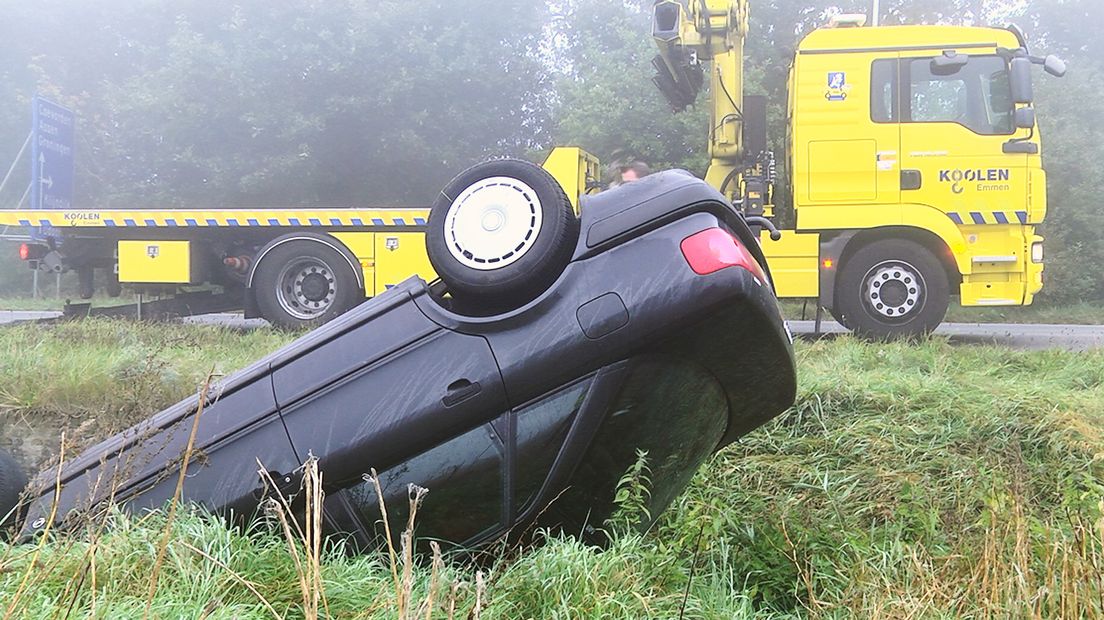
{"type": "Point", "coordinates": [365, 103]}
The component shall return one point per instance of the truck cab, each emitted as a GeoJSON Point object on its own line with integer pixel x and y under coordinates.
{"type": "Point", "coordinates": [920, 137]}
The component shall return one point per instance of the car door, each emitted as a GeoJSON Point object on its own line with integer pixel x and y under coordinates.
{"type": "Point", "coordinates": [386, 391]}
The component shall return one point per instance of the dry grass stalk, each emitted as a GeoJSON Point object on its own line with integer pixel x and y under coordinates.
{"type": "Point", "coordinates": [434, 574]}
{"type": "Point", "coordinates": [402, 561]}
{"type": "Point", "coordinates": [185, 458]}
{"type": "Point", "coordinates": [45, 533]}
{"type": "Point", "coordinates": [308, 560]}
{"type": "Point", "coordinates": [415, 495]}
{"type": "Point", "coordinates": [480, 589]}
{"type": "Point", "coordinates": [373, 477]}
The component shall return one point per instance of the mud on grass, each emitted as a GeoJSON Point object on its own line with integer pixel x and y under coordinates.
{"type": "Point", "coordinates": [909, 481]}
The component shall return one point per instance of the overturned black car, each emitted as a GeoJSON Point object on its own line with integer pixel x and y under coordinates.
{"type": "Point", "coordinates": [518, 390]}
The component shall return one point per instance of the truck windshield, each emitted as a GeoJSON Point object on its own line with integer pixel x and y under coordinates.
{"type": "Point", "coordinates": [976, 95]}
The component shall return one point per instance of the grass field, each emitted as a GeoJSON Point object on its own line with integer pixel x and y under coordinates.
{"type": "Point", "coordinates": [909, 481]}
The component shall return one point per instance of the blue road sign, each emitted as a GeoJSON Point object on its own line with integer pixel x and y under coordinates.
{"type": "Point", "coordinates": [52, 128]}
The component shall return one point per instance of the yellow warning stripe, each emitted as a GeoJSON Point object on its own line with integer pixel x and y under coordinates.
{"type": "Point", "coordinates": [198, 218]}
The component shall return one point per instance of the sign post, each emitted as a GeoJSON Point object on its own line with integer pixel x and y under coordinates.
{"type": "Point", "coordinates": [52, 131]}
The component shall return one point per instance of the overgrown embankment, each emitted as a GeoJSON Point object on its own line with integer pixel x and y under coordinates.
{"type": "Point", "coordinates": [93, 378]}
{"type": "Point", "coordinates": [910, 480]}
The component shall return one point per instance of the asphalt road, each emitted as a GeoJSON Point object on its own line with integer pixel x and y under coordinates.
{"type": "Point", "coordinates": [1018, 336]}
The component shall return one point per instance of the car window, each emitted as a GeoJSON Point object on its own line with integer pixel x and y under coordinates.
{"type": "Point", "coordinates": [672, 411]}
{"type": "Point", "coordinates": [464, 478]}
{"type": "Point", "coordinates": [541, 430]}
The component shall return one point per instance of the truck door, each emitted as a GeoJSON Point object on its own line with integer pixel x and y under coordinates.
{"type": "Point", "coordinates": [954, 121]}
{"type": "Point", "coordinates": [845, 142]}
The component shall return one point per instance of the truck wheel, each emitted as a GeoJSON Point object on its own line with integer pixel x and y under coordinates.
{"type": "Point", "coordinates": [839, 317]}
{"type": "Point", "coordinates": [500, 234]}
{"type": "Point", "coordinates": [85, 282]}
{"type": "Point", "coordinates": [892, 288]}
{"type": "Point", "coordinates": [12, 483]}
{"type": "Point", "coordinates": [303, 283]}
{"type": "Point", "coordinates": [114, 287]}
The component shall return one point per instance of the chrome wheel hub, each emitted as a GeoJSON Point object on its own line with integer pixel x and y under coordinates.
{"type": "Point", "coordinates": [306, 288]}
{"type": "Point", "coordinates": [893, 290]}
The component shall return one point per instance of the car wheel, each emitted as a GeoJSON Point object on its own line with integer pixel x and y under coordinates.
{"type": "Point", "coordinates": [12, 483]}
{"type": "Point", "coordinates": [500, 233]}
{"type": "Point", "coordinates": [892, 288]}
{"type": "Point", "coordinates": [304, 283]}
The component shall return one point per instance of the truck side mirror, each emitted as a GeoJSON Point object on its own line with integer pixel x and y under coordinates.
{"type": "Point", "coordinates": [1054, 66]}
{"type": "Point", "coordinates": [948, 63]}
{"type": "Point", "coordinates": [1024, 118]}
{"type": "Point", "coordinates": [1020, 78]}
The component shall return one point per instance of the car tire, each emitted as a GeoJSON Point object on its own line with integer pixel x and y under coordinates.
{"type": "Point", "coordinates": [499, 234]}
{"type": "Point", "coordinates": [12, 482]}
{"type": "Point", "coordinates": [893, 288]}
{"type": "Point", "coordinates": [303, 283]}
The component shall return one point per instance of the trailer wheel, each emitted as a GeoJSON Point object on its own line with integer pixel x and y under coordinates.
{"type": "Point", "coordinates": [892, 288]}
{"type": "Point", "coordinates": [114, 287]}
{"type": "Point", "coordinates": [500, 233]}
{"type": "Point", "coordinates": [12, 483]}
{"type": "Point", "coordinates": [304, 283]}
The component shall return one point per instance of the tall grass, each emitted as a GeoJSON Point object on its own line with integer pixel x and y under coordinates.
{"type": "Point", "coordinates": [909, 481]}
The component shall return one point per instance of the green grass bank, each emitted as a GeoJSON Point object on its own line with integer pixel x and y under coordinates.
{"type": "Point", "coordinates": [910, 481]}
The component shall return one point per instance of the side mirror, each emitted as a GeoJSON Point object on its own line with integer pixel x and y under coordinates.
{"type": "Point", "coordinates": [1054, 66]}
{"type": "Point", "coordinates": [1020, 77]}
{"type": "Point", "coordinates": [948, 63]}
{"type": "Point", "coordinates": [1024, 118]}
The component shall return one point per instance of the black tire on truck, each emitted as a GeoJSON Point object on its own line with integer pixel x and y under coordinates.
{"type": "Point", "coordinates": [499, 234]}
{"type": "Point", "coordinates": [893, 288]}
{"type": "Point", "coordinates": [838, 315]}
{"type": "Point", "coordinates": [304, 282]}
{"type": "Point", "coordinates": [114, 287]}
{"type": "Point", "coordinates": [86, 282]}
{"type": "Point", "coordinates": [12, 483]}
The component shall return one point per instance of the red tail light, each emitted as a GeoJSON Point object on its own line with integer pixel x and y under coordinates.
{"type": "Point", "coordinates": [31, 251]}
{"type": "Point", "coordinates": [714, 249]}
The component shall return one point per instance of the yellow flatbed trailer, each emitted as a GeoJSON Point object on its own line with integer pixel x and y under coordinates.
{"type": "Point", "coordinates": [293, 266]}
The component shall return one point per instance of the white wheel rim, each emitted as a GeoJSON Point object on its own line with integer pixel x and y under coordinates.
{"type": "Point", "coordinates": [894, 290]}
{"type": "Point", "coordinates": [493, 223]}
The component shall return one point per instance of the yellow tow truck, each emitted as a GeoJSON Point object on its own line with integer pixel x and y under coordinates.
{"type": "Point", "coordinates": [913, 153]}
{"type": "Point", "coordinates": [295, 267]}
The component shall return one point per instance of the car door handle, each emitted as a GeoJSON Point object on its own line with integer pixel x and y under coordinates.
{"type": "Point", "coordinates": [459, 391]}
